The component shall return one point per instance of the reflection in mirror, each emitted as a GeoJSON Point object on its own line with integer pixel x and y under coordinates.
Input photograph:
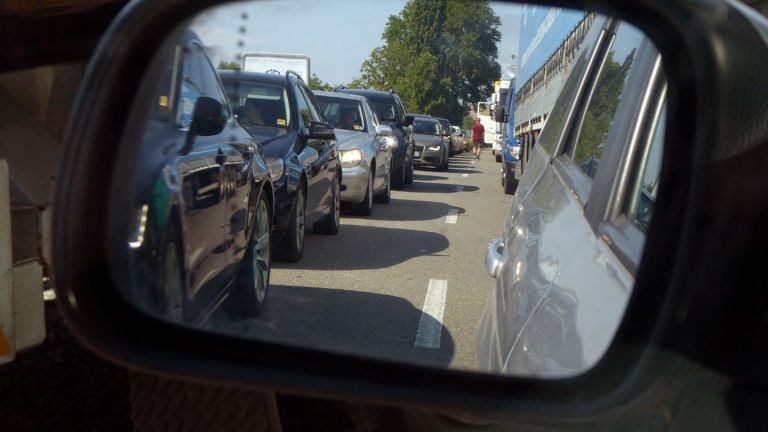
{"type": "Point", "coordinates": [299, 205]}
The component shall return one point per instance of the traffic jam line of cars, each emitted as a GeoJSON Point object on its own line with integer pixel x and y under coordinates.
{"type": "Point", "coordinates": [264, 159]}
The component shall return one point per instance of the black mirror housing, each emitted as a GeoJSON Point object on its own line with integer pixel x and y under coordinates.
{"type": "Point", "coordinates": [208, 117]}
{"type": "Point", "coordinates": [320, 130]}
{"type": "Point", "coordinates": [408, 121]}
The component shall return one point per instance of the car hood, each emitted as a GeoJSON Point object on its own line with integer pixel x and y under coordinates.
{"type": "Point", "coordinates": [427, 140]}
{"type": "Point", "coordinates": [347, 140]}
{"type": "Point", "coordinates": [274, 146]}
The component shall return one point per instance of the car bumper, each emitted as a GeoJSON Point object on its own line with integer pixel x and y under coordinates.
{"type": "Point", "coordinates": [354, 182]}
{"type": "Point", "coordinates": [424, 156]}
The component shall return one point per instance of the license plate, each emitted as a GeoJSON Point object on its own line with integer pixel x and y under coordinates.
{"type": "Point", "coordinates": [516, 168]}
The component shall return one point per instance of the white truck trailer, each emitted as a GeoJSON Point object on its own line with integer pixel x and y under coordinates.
{"type": "Point", "coordinates": [276, 63]}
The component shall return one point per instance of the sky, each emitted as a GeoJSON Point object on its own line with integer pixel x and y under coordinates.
{"type": "Point", "coordinates": [337, 35]}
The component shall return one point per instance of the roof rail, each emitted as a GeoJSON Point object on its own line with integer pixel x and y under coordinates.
{"type": "Point", "coordinates": [294, 73]}
{"type": "Point", "coordinates": [341, 87]}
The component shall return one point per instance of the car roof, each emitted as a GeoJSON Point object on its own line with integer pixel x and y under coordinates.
{"type": "Point", "coordinates": [426, 120]}
{"type": "Point", "coordinates": [370, 94]}
{"type": "Point", "coordinates": [339, 95]}
{"type": "Point", "coordinates": [420, 115]}
{"type": "Point", "coordinates": [230, 75]}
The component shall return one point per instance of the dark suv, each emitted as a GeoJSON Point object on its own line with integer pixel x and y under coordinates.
{"type": "Point", "coordinates": [281, 112]}
{"type": "Point", "coordinates": [391, 111]}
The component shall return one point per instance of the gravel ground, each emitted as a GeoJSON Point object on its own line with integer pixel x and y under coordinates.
{"type": "Point", "coordinates": [61, 386]}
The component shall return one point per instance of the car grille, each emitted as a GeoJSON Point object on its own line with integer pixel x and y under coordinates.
{"type": "Point", "coordinates": [419, 148]}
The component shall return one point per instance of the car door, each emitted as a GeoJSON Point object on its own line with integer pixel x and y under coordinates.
{"type": "Point", "coordinates": [203, 182]}
{"type": "Point", "coordinates": [319, 198]}
{"type": "Point", "coordinates": [585, 285]}
{"type": "Point", "coordinates": [380, 147]}
{"type": "Point", "coordinates": [236, 150]}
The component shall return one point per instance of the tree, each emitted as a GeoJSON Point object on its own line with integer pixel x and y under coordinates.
{"type": "Point", "coordinates": [439, 55]}
{"type": "Point", "coordinates": [468, 122]}
{"type": "Point", "coordinates": [316, 83]}
{"type": "Point", "coordinates": [229, 65]}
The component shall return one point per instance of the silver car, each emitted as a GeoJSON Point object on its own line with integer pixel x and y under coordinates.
{"type": "Point", "coordinates": [431, 147]}
{"type": "Point", "coordinates": [565, 265]}
{"type": "Point", "coordinates": [365, 149]}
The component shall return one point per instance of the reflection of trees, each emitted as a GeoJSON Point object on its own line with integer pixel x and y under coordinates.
{"type": "Point", "coordinates": [602, 108]}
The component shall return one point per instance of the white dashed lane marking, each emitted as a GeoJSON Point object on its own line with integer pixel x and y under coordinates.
{"type": "Point", "coordinates": [452, 216]}
{"type": "Point", "coordinates": [465, 175]}
{"type": "Point", "coordinates": [431, 323]}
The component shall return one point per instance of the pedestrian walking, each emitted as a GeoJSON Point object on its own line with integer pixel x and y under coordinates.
{"type": "Point", "coordinates": [478, 138]}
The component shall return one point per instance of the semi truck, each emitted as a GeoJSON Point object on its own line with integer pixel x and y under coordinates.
{"type": "Point", "coordinates": [276, 63]}
{"type": "Point", "coordinates": [549, 41]}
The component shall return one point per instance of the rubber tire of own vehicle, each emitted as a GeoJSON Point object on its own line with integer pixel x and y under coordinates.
{"type": "Point", "coordinates": [244, 302]}
{"type": "Point", "coordinates": [385, 196]}
{"type": "Point", "coordinates": [289, 250]}
{"type": "Point", "coordinates": [365, 207]}
{"type": "Point", "coordinates": [329, 224]}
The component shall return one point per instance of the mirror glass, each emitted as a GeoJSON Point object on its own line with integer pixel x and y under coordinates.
{"type": "Point", "coordinates": [271, 188]}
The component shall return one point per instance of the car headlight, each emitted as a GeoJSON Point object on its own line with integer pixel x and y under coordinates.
{"type": "Point", "coordinates": [276, 167]}
{"type": "Point", "coordinates": [434, 148]}
{"type": "Point", "coordinates": [391, 142]}
{"type": "Point", "coordinates": [351, 158]}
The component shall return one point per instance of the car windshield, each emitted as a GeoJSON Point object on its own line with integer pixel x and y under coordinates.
{"type": "Point", "coordinates": [261, 108]}
{"type": "Point", "coordinates": [446, 124]}
{"type": "Point", "coordinates": [426, 127]}
{"type": "Point", "coordinates": [343, 113]}
{"type": "Point", "coordinates": [385, 110]}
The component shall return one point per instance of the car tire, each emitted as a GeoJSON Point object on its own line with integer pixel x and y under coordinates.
{"type": "Point", "coordinates": [509, 183]}
{"type": "Point", "coordinates": [329, 224]}
{"type": "Point", "coordinates": [365, 207]}
{"type": "Point", "coordinates": [498, 157]}
{"type": "Point", "coordinates": [252, 283]}
{"type": "Point", "coordinates": [409, 173]}
{"type": "Point", "coordinates": [444, 165]}
{"type": "Point", "coordinates": [291, 247]}
{"type": "Point", "coordinates": [385, 196]}
{"type": "Point", "coordinates": [170, 302]}
{"type": "Point", "coordinates": [398, 181]}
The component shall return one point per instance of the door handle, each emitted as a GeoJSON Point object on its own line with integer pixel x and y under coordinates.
{"type": "Point", "coordinates": [221, 158]}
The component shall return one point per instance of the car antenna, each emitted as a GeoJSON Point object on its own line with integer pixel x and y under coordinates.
{"type": "Point", "coordinates": [296, 74]}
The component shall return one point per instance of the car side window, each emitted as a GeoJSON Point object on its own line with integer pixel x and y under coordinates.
{"type": "Point", "coordinates": [400, 108]}
{"type": "Point", "coordinates": [644, 196]}
{"type": "Point", "coordinates": [302, 106]}
{"type": "Point", "coordinates": [314, 107]}
{"type": "Point", "coordinates": [191, 88]}
{"type": "Point", "coordinates": [211, 81]}
{"type": "Point", "coordinates": [604, 101]}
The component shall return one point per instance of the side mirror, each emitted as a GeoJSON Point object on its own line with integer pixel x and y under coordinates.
{"type": "Point", "coordinates": [500, 115]}
{"type": "Point", "coordinates": [408, 121]}
{"type": "Point", "coordinates": [207, 119]}
{"type": "Point", "coordinates": [384, 131]}
{"type": "Point", "coordinates": [320, 130]}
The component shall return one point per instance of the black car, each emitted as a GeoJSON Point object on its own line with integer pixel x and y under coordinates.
{"type": "Point", "coordinates": [391, 111]}
{"type": "Point", "coordinates": [281, 112]}
{"type": "Point", "coordinates": [200, 230]}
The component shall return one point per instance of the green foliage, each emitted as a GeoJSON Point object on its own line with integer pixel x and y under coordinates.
{"type": "Point", "coordinates": [228, 65]}
{"type": "Point", "coordinates": [468, 122]}
{"type": "Point", "coordinates": [439, 55]}
{"type": "Point", "coordinates": [601, 111]}
{"type": "Point", "coordinates": [316, 83]}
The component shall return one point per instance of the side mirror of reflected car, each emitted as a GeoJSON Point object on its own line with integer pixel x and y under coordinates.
{"type": "Point", "coordinates": [320, 130]}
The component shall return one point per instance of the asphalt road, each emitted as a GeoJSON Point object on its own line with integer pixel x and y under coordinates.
{"type": "Point", "coordinates": [406, 283]}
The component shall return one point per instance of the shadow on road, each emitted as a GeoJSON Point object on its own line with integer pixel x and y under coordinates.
{"type": "Point", "coordinates": [412, 210]}
{"type": "Point", "coordinates": [351, 322]}
{"type": "Point", "coordinates": [426, 177]}
{"type": "Point", "coordinates": [359, 247]}
{"type": "Point", "coordinates": [441, 188]}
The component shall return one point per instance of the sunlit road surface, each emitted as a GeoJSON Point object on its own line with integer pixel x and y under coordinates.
{"type": "Point", "coordinates": [406, 283]}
